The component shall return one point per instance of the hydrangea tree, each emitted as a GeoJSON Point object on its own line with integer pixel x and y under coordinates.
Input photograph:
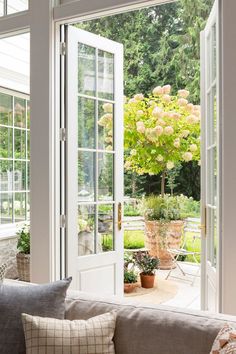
{"type": "Point", "coordinates": [161, 131]}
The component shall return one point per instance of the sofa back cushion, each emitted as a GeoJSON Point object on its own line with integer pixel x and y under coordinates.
{"type": "Point", "coordinates": [148, 330]}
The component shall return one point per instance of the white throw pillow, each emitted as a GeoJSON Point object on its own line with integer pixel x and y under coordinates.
{"type": "Point", "coordinates": [3, 269]}
{"type": "Point", "coordinates": [52, 336]}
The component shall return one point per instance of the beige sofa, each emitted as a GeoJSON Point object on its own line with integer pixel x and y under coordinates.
{"type": "Point", "coordinates": [152, 329]}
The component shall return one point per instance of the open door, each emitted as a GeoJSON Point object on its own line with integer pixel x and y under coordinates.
{"type": "Point", "coordinates": [210, 184]}
{"type": "Point", "coordinates": [94, 166]}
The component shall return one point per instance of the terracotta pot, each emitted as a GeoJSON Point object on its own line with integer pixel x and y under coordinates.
{"type": "Point", "coordinates": [147, 281]}
{"type": "Point", "coordinates": [129, 287]}
{"type": "Point", "coordinates": [160, 236]}
{"type": "Point", "coordinates": [23, 266]}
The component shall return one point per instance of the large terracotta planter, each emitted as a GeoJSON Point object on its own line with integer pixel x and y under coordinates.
{"type": "Point", "coordinates": [129, 287]}
{"type": "Point", "coordinates": [23, 266]}
{"type": "Point", "coordinates": [160, 236]}
{"type": "Point", "coordinates": [147, 281]}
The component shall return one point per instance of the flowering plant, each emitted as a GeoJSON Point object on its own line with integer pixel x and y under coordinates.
{"type": "Point", "coordinates": [161, 131]}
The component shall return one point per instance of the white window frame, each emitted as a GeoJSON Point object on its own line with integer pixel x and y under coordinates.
{"type": "Point", "coordinates": [44, 30]}
{"type": "Point", "coordinates": [11, 228]}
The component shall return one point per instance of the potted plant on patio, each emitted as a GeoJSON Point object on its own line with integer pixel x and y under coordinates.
{"type": "Point", "coordinates": [130, 275]}
{"type": "Point", "coordinates": [23, 255]}
{"type": "Point", "coordinates": [163, 226]}
{"type": "Point", "coordinates": [147, 266]}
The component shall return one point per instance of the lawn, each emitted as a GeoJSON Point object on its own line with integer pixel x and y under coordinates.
{"type": "Point", "coordinates": [135, 239]}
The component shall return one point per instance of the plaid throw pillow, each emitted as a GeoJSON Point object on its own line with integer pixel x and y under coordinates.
{"type": "Point", "coordinates": [3, 269]}
{"type": "Point", "coordinates": [225, 342]}
{"type": "Point", "coordinates": [52, 336]}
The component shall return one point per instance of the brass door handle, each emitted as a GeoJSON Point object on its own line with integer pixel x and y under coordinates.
{"type": "Point", "coordinates": [119, 216]}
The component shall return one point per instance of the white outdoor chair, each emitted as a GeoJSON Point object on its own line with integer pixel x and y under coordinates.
{"type": "Point", "coordinates": [192, 225]}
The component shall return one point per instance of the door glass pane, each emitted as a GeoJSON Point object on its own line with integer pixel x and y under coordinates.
{"type": "Point", "coordinates": [6, 202]}
{"type": "Point", "coordinates": [87, 70]}
{"type": "Point", "coordinates": [14, 6]}
{"type": "Point", "coordinates": [5, 109]}
{"type": "Point", "coordinates": [20, 113]}
{"type": "Point", "coordinates": [86, 123]}
{"type": "Point", "coordinates": [86, 230]}
{"type": "Point", "coordinates": [105, 126]}
{"type": "Point", "coordinates": [6, 135]}
{"type": "Point", "coordinates": [20, 144]}
{"type": "Point", "coordinates": [214, 58]}
{"type": "Point", "coordinates": [86, 176]}
{"type": "Point", "coordinates": [1, 7]}
{"type": "Point", "coordinates": [105, 228]}
{"type": "Point", "coordinates": [105, 75]}
{"type": "Point", "coordinates": [105, 176]}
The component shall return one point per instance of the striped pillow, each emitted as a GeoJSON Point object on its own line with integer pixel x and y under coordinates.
{"type": "Point", "coordinates": [53, 336]}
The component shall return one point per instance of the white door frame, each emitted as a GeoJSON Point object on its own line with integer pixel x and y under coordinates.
{"type": "Point", "coordinates": [44, 39]}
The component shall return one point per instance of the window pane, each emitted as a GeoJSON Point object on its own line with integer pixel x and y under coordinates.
{"type": "Point", "coordinates": [20, 144]}
{"type": "Point", "coordinates": [86, 123]}
{"type": "Point", "coordinates": [105, 176]}
{"type": "Point", "coordinates": [6, 202]}
{"type": "Point", "coordinates": [87, 70]}
{"type": "Point", "coordinates": [105, 75]}
{"type": "Point", "coordinates": [105, 228]}
{"type": "Point", "coordinates": [14, 6]}
{"type": "Point", "coordinates": [5, 109]}
{"type": "Point", "coordinates": [105, 126]}
{"type": "Point", "coordinates": [6, 135]}
{"type": "Point", "coordinates": [28, 115]}
{"type": "Point", "coordinates": [6, 175]}
{"type": "Point", "coordinates": [86, 230]}
{"type": "Point", "coordinates": [20, 176]}
{"type": "Point", "coordinates": [86, 176]}
{"type": "Point", "coordinates": [20, 207]}
{"type": "Point", "coordinates": [20, 113]}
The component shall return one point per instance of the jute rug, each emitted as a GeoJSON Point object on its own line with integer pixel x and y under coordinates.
{"type": "Point", "coordinates": [164, 290]}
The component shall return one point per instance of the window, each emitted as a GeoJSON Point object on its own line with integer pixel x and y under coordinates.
{"type": "Point", "coordinates": [8, 7]}
{"type": "Point", "coordinates": [14, 157]}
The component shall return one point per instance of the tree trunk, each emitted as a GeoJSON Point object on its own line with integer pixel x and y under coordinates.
{"type": "Point", "coordinates": [163, 177]}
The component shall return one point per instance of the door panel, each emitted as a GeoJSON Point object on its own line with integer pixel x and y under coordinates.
{"type": "Point", "coordinates": [210, 162]}
{"type": "Point", "coordinates": [94, 162]}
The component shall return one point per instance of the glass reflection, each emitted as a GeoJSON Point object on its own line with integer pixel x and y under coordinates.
{"type": "Point", "coordinates": [86, 70]}
{"type": "Point", "coordinates": [105, 176]}
{"type": "Point", "coordinates": [105, 228]}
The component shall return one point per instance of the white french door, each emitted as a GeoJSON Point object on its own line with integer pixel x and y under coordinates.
{"type": "Point", "coordinates": [210, 164]}
{"type": "Point", "coordinates": [94, 170]}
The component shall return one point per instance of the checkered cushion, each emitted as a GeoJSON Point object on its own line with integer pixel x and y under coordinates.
{"type": "Point", "coordinates": [225, 342]}
{"type": "Point", "coordinates": [52, 336]}
{"type": "Point", "coordinates": [3, 269]}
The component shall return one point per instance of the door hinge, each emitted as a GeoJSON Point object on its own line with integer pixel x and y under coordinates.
{"type": "Point", "coordinates": [63, 134]}
{"type": "Point", "coordinates": [63, 221]}
{"type": "Point", "coordinates": [63, 48]}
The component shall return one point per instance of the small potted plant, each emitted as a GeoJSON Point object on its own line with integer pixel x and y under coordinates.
{"type": "Point", "coordinates": [130, 276]}
{"type": "Point", "coordinates": [147, 266]}
{"type": "Point", "coordinates": [23, 255]}
{"type": "Point", "coordinates": [130, 281]}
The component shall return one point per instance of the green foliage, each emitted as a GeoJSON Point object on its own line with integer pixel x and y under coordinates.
{"type": "Point", "coordinates": [146, 263]}
{"type": "Point", "coordinates": [130, 277]}
{"type": "Point", "coordinates": [161, 131]}
{"type": "Point", "coordinates": [131, 210]}
{"type": "Point", "coordinates": [23, 243]}
{"type": "Point", "coordinates": [165, 208]}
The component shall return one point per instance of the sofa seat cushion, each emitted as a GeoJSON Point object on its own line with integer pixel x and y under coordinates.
{"type": "Point", "coordinates": [151, 329]}
{"type": "Point", "coordinates": [42, 300]}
